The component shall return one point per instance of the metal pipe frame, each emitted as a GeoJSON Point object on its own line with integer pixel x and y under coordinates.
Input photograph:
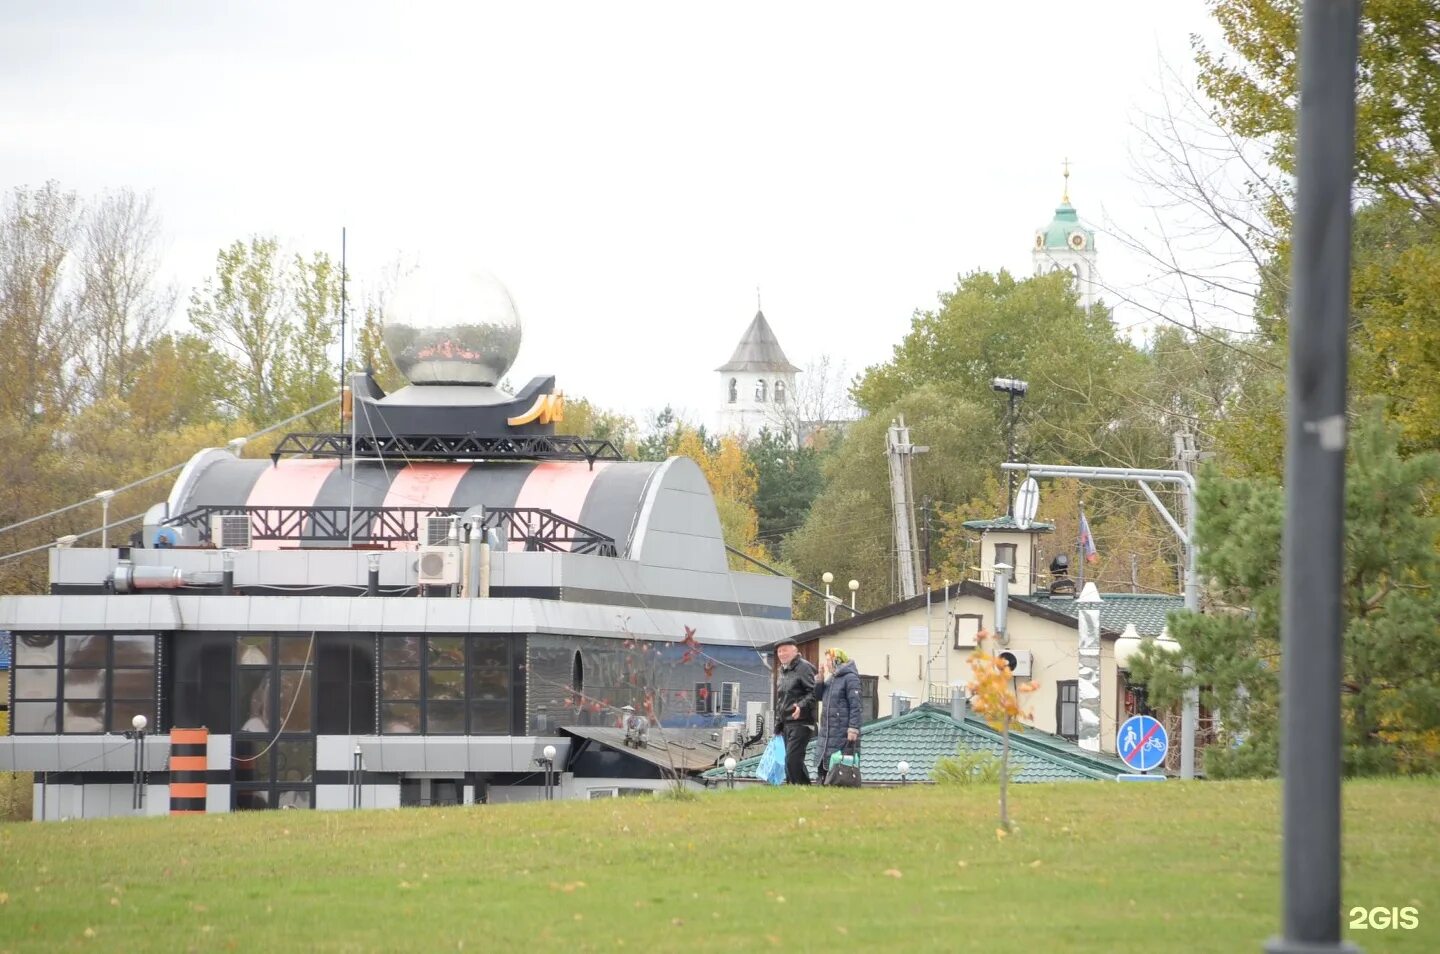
{"type": "Point", "coordinates": [1190, 710]}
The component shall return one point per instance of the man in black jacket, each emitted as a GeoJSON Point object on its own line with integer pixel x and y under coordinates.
{"type": "Point", "coordinates": [794, 709]}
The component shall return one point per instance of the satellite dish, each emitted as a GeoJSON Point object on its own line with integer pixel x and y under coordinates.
{"type": "Point", "coordinates": [1027, 501]}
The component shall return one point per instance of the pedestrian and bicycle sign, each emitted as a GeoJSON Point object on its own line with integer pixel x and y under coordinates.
{"type": "Point", "coordinates": [1141, 743]}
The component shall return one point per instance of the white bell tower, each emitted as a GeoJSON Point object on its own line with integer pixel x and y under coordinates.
{"type": "Point", "coordinates": [757, 384]}
{"type": "Point", "coordinates": [1067, 245]}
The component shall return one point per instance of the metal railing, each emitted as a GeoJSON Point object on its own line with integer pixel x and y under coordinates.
{"type": "Point", "coordinates": [530, 527]}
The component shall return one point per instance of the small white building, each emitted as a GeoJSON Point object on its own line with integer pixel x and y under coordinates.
{"type": "Point", "coordinates": [757, 384]}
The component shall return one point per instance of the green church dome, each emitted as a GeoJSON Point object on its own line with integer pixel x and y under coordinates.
{"type": "Point", "coordinates": [1065, 231]}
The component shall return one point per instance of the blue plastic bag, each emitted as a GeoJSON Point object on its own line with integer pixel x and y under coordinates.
{"type": "Point", "coordinates": [772, 764]}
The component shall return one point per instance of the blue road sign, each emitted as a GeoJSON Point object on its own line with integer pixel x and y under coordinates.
{"type": "Point", "coordinates": [1142, 743]}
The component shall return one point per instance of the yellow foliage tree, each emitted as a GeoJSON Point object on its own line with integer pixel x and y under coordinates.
{"type": "Point", "coordinates": [995, 696]}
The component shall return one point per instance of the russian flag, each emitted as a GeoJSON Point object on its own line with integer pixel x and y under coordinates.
{"type": "Point", "coordinates": [1087, 542]}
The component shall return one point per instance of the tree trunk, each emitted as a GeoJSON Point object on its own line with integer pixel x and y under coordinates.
{"type": "Point", "coordinates": [1004, 772]}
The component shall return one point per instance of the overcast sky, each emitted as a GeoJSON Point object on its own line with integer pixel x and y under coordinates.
{"type": "Point", "coordinates": [631, 171]}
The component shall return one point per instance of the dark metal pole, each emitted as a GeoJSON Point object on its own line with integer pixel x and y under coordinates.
{"type": "Point", "coordinates": [343, 276]}
{"type": "Point", "coordinates": [144, 775]}
{"type": "Point", "coordinates": [1010, 497]}
{"type": "Point", "coordinates": [135, 777]}
{"type": "Point", "coordinates": [1312, 618]}
{"type": "Point", "coordinates": [925, 508]}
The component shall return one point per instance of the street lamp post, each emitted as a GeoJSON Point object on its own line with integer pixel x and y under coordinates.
{"type": "Point", "coordinates": [1016, 389]}
{"type": "Point", "coordinates": [832, 601]}
{"type": "Point", "coordinates": [548, 763]}
{"type": "Point", "coordinates": [137, 734]}
{"type": "Point", "coordinates": [854, 585]}
{"type": "Point", "coordinates": [730, 770]}
{"type": "Point", "coordinates": [904, 768]}
{"type": "Point", "coordinates": [104, 498]}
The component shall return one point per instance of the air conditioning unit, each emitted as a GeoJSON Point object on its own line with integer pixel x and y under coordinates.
{"type": "Point", "coordinates": [732, 734]}
{"type": "Point", "coordinates": [730, 698]}
{"type": "Point", "coordinates": [230, 531]}
{"type": "Point", "coordinates": [1020, 662]}
{"type": "Point", "coordinates": [437, 531]}
{"type": "Point", "coordinates": [757, 718]}
{"type": "Point", "coordinates": [438, 566]}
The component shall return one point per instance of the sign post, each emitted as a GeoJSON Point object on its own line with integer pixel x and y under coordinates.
{"type": "Point", "coordinates": [1141, 742]}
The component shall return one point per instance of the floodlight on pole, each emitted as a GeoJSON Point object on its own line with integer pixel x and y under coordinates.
{"type": "Point", "coordinates": [104, 498]}
{"type": "Point", "coordinates": [1015, 388]}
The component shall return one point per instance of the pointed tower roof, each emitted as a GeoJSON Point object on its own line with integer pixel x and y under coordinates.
{"type": "Point", "coordinates": [758, 350]}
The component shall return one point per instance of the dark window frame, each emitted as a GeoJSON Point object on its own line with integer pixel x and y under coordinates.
{"type": "Point", "coordinates": [106, 700]}
{"type": "Point", "coordinates": [1067, 693]}
{"type": "Point", "coordinates": [469, 701]}
{"type": "Point", "coordinates": [271, 743]}
{"type": "Point", "coordinates": [979, 625]}
{"type": "Point", "coordinates": [869, 698]}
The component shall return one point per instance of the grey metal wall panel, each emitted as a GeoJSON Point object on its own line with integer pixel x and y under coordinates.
{"type": "Point", "coordinates": [615, 498]}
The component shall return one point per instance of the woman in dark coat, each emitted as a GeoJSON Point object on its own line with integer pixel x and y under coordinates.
{"type": "Point", "coordinates": [837, 686]}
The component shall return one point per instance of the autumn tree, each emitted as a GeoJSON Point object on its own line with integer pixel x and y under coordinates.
{"type": "Point", "coordinates": [585, 418]}
{"type": "Point", "coordinates": [995, 696]}
{"type": "Point", "coordinates": [275, 319]}
{"type": "Point", "coordinates": [848, 530]}
{"type": "Point", "coordinates": [122, 307]}
{"type": "Point", "coordinates": [40, 323]}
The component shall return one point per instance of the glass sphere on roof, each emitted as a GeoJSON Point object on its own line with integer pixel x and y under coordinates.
{"type": "Point", "coordinates": [451, 322]}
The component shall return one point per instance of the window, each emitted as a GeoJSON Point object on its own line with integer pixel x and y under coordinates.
{"type": "Point", "coordinates": [1005, 553]}
{"type": "Point", "coordinates": [274, 747]}
{"type": "Point", "coordinates": [967, 629]}
{"type": "Point", "coordinates": [704, 703]}
{"type": "Point", "coordinates": [869, 698]}
{"type": "Point", "coordinates": [779, 392]}
{"type": "Point", "coordinates": [760, 390]}
{"type": "Point", "coordinates": [1067, 709]}
{"type": "Point", "coordinates": [82, 683]}
{"type": "Point", "coordinates": [445, 685]}
{"type": "Point", "coordinates": [734, 389]}
{"type": "Point", "coordinates": [421, 792]}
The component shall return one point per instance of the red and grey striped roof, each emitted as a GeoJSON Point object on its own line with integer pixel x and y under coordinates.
{"type": "Point", "coordinates": [606, 497]}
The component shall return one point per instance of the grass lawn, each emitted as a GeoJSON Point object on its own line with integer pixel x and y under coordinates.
{"type": "Point", "coordinates": [1095, 867]}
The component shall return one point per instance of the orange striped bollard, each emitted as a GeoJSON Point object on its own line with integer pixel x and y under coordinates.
{"type": "Point", "coordinates": [187, 771]}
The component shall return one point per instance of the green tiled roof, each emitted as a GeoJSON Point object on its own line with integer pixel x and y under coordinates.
{"type": "Point", "coordinates": [925, 735]}
{"type": "Point", "coordinates": [1007, 522]}
{"type": "Point", "coordinates": [1147, 611]}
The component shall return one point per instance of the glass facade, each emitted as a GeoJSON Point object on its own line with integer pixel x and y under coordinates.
{"type": "Point", "coordinates": [273, 761]}
{"type": "Point", "coordinates": [446, 684]}
{"type": "Point", "coordinates": [82, 683]}
{"type": "Point", "coordinates": [673, 683]}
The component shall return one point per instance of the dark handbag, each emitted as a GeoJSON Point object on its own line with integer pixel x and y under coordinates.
{"type": "Point", "coordinates": [845, 772]}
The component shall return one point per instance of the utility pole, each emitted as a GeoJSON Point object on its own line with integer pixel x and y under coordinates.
{"type": "Point", "coordinates": [1015, 388]}
{"type": "Point", "coordinates": [899, 450]}
{"type": "Point", "coordinates": [1312, 564]}
{"type": "Point", "coordinates": [925, 509]}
